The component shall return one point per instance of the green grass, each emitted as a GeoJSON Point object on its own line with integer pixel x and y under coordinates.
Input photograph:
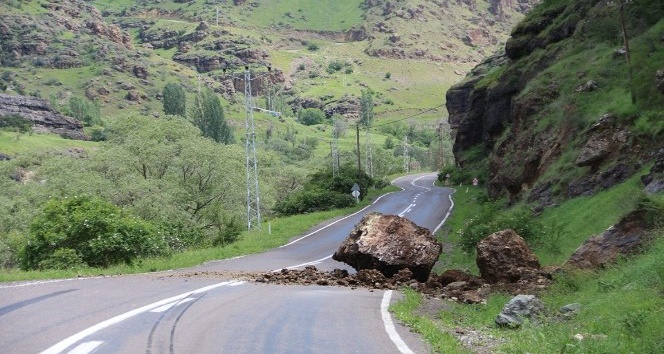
{"type": "Point", "coordinates": [622, 305]}
{"type": "Point", "coordinates": [12, 143]}
{"type": "Point", "coordinates": [441, 341]}
{"type": "Point", "coordinates": [327, 15]}
{"type": "Point", "coordinates": [282, 230]}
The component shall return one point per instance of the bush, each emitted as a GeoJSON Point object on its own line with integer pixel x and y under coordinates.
{"type": "Point", "coordinates": [99, 233]}
{"type": "Point", "coordinates": [491, 220]}
{"type": "Point", "coordinates": [311, 116]}
{"type": "Point", "coordinates": [16, 121]}
{"type": "Point", "coordinates": [308, 201]}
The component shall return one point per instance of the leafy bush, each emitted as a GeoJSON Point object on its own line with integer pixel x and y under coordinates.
{"type": "Point", "coordinates": [308, 201]}
{"type": "Point", "coordinates": [334, 66]}
{"type": "Point", "coordinates": [490, 220]}
{"type": "Point", "coordinates": [323, 192]}
{"type": "Point", "coordinates": [88, 230]}
{"type": "Point", "coordinates": [15, 121]}
{"type": "Point", "coordinates": [311, 116]}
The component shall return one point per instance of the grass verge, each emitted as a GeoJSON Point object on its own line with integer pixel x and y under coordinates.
{"type": "Point", "coordinates": [622, 306]}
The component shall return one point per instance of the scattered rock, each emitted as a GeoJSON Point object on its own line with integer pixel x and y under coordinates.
{"type": "Point", "coordinates": [659, 80]}
{"type": "Point", "coordinates": [570, 310]}
{"type": "Point", "coordinates": [654, 180]}
{"type": "Point", "coordinates": [518, 309]}
{"type": "Point", "coordinates": [389, 243]}
{"type": "Point", "coordinates": [627, 237]}
{"type": "Point", "coordinates": [140, 72]}
{"type": "Point", "coordinates": [505, 257]}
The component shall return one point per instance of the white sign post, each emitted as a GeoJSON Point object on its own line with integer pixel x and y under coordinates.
{"type": "Point", "coordinates": [355, 192]}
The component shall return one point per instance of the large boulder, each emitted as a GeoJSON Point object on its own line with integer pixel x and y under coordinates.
{"type": "Point", "coordinates": [505, 257]}
{"type": "Point", "coordinates": [389, 243]}
{"type": "Point", "coordinates": [627, 237]}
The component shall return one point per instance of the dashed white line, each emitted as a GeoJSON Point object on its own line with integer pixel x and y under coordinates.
{"type": "Point", "coordinates": [389, 325]}
{"type": "Point", "coordinates": [85, 348]}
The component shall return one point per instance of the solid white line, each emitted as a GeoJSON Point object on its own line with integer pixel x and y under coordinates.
{"type": "Point", "coordinates": [318, 261]}
{"type": "Point", "coordinates": [449, 211]}
{"type": "Point", "coordinates": [172, 304]}
{"type": "Point", "coordinates": [389, 325]}
{"type": "Point", "coordinates": [85, 348]}
{"type": "Point", "coordinates": [330, 224]}
{"type": "Point", "coordinates": [66, 343]}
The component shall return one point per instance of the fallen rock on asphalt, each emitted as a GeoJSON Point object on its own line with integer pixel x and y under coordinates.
{"type": "Point", "coordinates": [388, 244]}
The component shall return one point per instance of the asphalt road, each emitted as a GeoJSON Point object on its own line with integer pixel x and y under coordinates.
{"type": "Point", "coordinates": [193, 311]}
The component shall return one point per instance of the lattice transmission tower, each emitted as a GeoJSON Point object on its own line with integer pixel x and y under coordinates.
{"type": "Point", "coordinates": [253, 192]}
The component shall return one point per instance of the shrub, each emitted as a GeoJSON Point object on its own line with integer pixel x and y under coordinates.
{"type": "Point", "coordinates": [16, 121]}
{"type": "Point", "coordinates": [311, 116]}
{"type": "Point", "coordinates": [98, 232]}
{"type": "Point", "coordinates": [491, 220]}
{"type": "Point", "coordinates": [308, 201]}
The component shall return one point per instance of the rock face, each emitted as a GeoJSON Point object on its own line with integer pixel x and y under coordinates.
{"type": "Point", "coordinates": [505, 257]}
{"type": "Point", "coordinates": [519, 308]}
{"type": "Point", "coordinates": [42, 116]}
{"type": "Point", "coordinates": [389, 243]}
{"type": "Point", "coordinates": [654, 181]}
{"type": "Point", "coordinates": [627, 237]}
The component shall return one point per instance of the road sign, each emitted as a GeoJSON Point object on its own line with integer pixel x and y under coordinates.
{"type": "Point", "coordinates": [356, 187]}
{"type": "Point", "coordinates": [355, 192]}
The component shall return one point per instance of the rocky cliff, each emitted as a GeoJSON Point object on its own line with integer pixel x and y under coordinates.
{"type": "Point", "coordinates": [42, 116]}
{"type": "Point", "coordinates": [550, 117]}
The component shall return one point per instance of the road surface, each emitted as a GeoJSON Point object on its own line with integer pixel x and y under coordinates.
{"type": "Point", "coordinates": [198, 311]}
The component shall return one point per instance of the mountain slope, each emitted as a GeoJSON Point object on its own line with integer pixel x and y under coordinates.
{"type": "Point", "coordinates": [553, 116]}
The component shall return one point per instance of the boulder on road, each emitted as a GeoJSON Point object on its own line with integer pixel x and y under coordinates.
{"type": "Point", "coordinates": [505, 257]}
{"type": "Point", "coordinates": [389, 243]}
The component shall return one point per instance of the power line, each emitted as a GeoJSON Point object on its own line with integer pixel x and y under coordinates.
{"type": "Point", "coordinates": [411, 116]}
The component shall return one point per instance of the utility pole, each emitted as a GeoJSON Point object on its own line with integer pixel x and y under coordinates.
{"type": "Point", "coordinates": [440, 158]}
{"type": "Point", "coordinates": [357, 134]}
{"type": "Point", "coordinates": [253, 197]}
{"type": "Point", "coordinates": [369, 162]}
{"type": "Point", "coordinates": [334, 145]}
{"type": "Point", "coordinates": [406, 163]}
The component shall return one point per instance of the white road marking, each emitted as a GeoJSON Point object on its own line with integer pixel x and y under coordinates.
{"type": "Point", "coordinates": [318, 261]}
{"type": "Point", "coordinates": [389, 325]}
{"type": "Point", "coordinates": [85, 348]}
{"type": "Point", "coordinates": [449, 211]}
{"type": "Point", "coordinates": [172, 304]}
{"type": "Point", "coordinates": [66, 343]}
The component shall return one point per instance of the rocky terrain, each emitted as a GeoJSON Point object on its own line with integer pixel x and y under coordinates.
{"type": "Point", "coordinates": [549, 134]}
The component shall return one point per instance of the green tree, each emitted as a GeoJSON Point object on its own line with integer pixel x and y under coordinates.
{"type": "Point", "coordinates": [87, 112]}
{"type": "Point", "coordinates": [175, 102]}
{"type": "Point", "coordinates": [366, 108]}
{"type": "Point", "coordinates": [208, 115]}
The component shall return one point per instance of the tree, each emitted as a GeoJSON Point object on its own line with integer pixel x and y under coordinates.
{"type": "Point", "coordinates": [87, 112]}
{"type": "Point", "coordinates": [174, 100]}
{"type": "Point", "coordinates": [366, 108]}
{"type": "Point", "coordinates": [208, 115]}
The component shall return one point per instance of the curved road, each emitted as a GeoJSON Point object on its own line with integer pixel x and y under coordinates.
{"type": "Point", "coordinates": [196, 311]}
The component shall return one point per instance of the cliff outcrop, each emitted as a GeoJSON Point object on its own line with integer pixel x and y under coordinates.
{"type": "Point", "coordinates": [551, 115]}
{"type": "Point", "coordinates": [42, 116]}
